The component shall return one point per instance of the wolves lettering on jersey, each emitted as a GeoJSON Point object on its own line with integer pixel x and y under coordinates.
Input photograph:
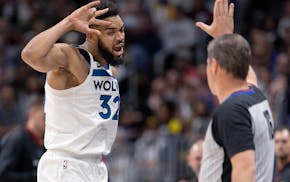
{"type": "Point", "coordinates": [106, 85]}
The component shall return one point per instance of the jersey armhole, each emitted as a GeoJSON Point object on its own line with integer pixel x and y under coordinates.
{"type": "Point", "coordinates": [84, 53]}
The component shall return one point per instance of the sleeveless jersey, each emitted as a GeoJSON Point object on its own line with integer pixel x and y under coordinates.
{"type": "Point", "coordinates": [82, 121]}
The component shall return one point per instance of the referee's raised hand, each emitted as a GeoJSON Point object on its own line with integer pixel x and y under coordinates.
{"type": "Point", "coordinates": [82, 18]}
{"type": "Point", "coordinates": [223, 19]}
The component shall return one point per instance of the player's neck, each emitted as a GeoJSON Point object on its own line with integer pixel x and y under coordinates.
{"type": "Point", "coordinates": [229, 86]}
{"type": "Point", "coordinates": [95, 52]}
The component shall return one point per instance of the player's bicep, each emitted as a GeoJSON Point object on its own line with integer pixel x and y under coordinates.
{"type": "Point", "coordinates": [55, 58]}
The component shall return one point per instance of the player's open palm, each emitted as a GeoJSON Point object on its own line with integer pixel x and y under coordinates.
{"type": "Point", "coordinates": [85, 16]}
{"type": "Point", "coordinates": [223, 21]}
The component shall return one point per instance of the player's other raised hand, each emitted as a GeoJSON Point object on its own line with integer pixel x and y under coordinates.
{"type": "Point", "coordinates": [223, 19]}
{"type": "Point", "coordinates": [82, 18]}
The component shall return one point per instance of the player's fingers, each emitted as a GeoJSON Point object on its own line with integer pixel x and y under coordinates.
{"type": "Point", "coordinates": [202, 26]}
{"type": "Point", "coordinates": [215, 9]}
{"type": "Point", "coordinates": [220, 7]}
{"type": "Point", "coordinates": [101, 12]}
{"type": "Point", "coordinates": [225, 5]}
{"type": "Point", "coordinates": [92, 12]}
{"type": "Point", "coordinates": [231, 10]}
{"type": "Point", "coordinates": [92, 4]}
{"type": "Point", "coordinates": [93, 31]}
{"type": "Point", "coordinates": [97, 32]}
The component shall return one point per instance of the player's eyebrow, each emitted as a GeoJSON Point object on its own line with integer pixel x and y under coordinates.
{"type": "Point", "coordinates": [112, 28]}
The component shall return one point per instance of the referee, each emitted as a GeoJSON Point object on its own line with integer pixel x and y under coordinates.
{"type": "Point", "coordinates": [239, 143]}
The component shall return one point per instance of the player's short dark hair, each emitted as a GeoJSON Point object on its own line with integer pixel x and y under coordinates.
{"type": "Point", "coordinates": [113, 9]}
{"type": "Point", "coordinates": [233, 53]}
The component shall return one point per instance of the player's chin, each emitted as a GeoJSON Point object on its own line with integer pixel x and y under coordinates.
{"type": "Point", "coordinates": [118, 60]}
{"type": "Point", "coordinates": [118, 55]}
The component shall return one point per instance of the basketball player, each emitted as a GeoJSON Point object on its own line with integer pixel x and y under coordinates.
{"type": "Point", "coordinates": [81, 91]}
{"type": "Point", "coordinates": [239, 143]}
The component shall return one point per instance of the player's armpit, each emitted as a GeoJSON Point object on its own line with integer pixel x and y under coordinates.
{"type": "Point", "coordinates": [243, 166]}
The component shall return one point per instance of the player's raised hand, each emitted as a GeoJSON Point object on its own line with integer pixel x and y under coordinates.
{"type": "Point", "coordinates": [82, 18]}
{"type": "Point", "coordinates": [223, 19]}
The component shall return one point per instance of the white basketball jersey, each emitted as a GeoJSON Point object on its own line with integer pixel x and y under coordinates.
{"type": "Point", "coordinates": [82, 121]}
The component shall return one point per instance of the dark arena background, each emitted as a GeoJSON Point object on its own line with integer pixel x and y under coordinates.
{"type": "Point", "coordinates": [166, 104]}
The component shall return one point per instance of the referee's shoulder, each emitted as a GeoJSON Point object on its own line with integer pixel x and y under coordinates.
{"type": "Point", "coordinates": [231, 106]}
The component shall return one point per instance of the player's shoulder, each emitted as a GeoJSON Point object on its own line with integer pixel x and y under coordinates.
{"type": "Point", "coordinates": [74, 55]}
{"type": "Point", "coordinates": [66, 48]}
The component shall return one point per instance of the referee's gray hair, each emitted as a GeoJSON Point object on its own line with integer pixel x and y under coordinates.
{"type": "Point", "coordinates": [232, 52]}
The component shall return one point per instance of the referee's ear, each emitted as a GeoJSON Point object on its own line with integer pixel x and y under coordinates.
{"type": "Point", "coordinates": [214, 66]}
{"type": "Point", "coordinates": [251, 77]}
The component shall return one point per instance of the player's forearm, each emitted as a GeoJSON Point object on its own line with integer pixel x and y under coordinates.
{"type": "Point", "coordinates": [41, 44]}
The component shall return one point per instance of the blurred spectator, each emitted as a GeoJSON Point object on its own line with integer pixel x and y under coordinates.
{"type": "Point", "coordinates": [201, 119]}
{"type": "Point", "coordinates": [10, 111]}
{"type": "Point", "coordinates": [279, 89]}
{"type": "Point", "coordinates": [147, 165]}
{"type": "Point", "coordinates": [264, 79]}
{"type": "Point", "coordinates": [277, 93]}
{"type": "Point", "coordinates": [282, 152]}
{"type": "Point", "coordinates": [120, 162]}
{"type": "Point", "coordinates": [22, 147]}
{"type": "Point", "coordinates": [262, 49]}
{"type": "Point", "coordinates": [33, 86]}
{"type": "Point", "coordinates": [173, 31]}
{"type": "Point", "coordinates": [194, 157]}
{"type": "Point", "coordinates": [283, 29]}
{"type": "Point", "coordinates": [164, 146]}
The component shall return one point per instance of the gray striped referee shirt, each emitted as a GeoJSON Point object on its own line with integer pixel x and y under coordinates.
{"type": "Point", "coordinates": [242, 122]}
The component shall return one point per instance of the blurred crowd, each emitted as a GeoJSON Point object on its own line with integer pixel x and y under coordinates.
{"type": "Point", "coordinates": [166, 104]}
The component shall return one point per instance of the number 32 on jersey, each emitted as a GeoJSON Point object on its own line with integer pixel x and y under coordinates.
{"type": "Point", "coordinates": [107, 113]}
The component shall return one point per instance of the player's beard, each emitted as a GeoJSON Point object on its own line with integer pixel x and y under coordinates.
{"type": "Point", "coordinates": [108, 56]}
